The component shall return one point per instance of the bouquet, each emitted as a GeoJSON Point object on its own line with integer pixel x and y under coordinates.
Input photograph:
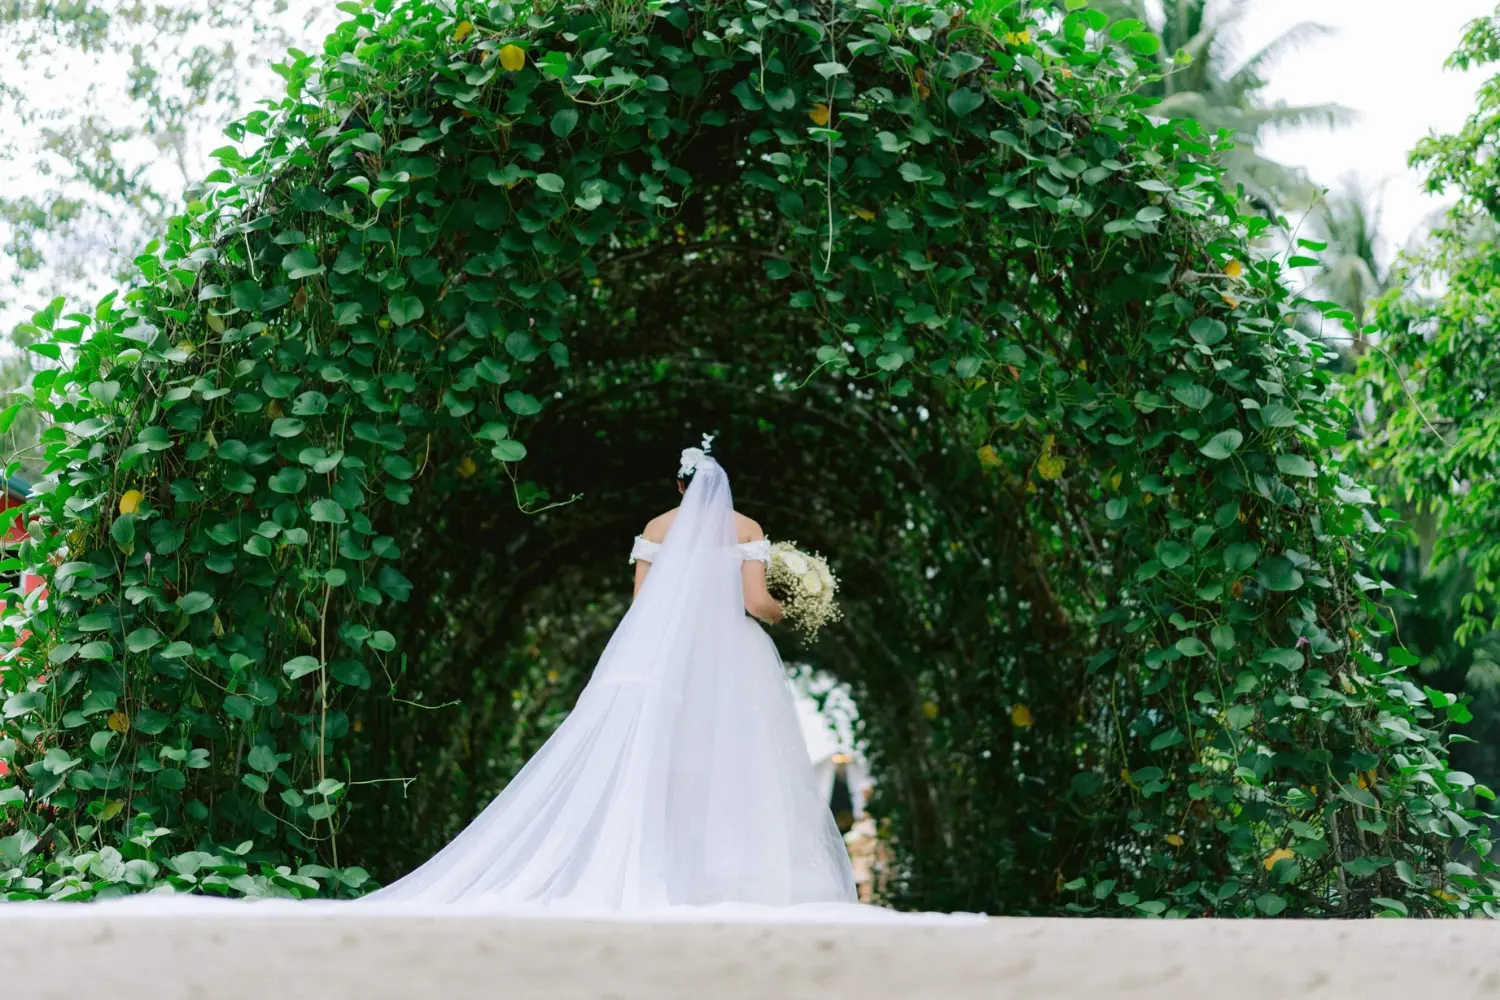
{"type": "Point", "coordinates": [805, 586]}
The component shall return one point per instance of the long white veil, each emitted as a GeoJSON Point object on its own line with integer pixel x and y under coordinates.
{"type": "Point", "coordinates": [681, 776]}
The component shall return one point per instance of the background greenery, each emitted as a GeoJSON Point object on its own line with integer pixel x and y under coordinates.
{"type": "Point", "coordinates": [335, 494]}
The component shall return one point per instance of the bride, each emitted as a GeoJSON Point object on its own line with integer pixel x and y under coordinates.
{"type": "Point", "coordinates": [681, 777]}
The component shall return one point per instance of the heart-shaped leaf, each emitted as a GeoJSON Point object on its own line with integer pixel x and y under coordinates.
{"type": "Point", "coordinates": [1222, 444]}
{"type": "Point", "coordinates": [405, 309]}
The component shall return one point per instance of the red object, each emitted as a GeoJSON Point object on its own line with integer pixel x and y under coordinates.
{"type": "Point", "coordinates": [13, 494]}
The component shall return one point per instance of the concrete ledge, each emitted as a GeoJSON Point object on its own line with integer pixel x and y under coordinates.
{"type": "Point", "coordinates": [346, 956]}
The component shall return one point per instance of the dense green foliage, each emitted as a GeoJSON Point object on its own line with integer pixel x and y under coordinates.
{"type": "Point", "coordinates": [1426, 394]}
{"type": "Point", "coordinates": [968, 318]}
{"type": "Point", "coordinates": [1433, 381]}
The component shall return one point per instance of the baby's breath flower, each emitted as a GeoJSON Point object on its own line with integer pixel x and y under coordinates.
{"type": "Point", "coordinates": [805, 586]}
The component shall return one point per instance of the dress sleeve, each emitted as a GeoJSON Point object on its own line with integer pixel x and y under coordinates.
{"type": "Point", "coordinates": [758, 550]}
{"type": "Point", "coordinates": [644, 550]}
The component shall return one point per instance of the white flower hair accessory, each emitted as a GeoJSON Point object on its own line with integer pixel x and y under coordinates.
{"type": "Point", "coordinates": [692, 456]}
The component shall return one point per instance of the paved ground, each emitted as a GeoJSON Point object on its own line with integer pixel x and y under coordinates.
{"type": "Point", "coordinates": [328, 956]}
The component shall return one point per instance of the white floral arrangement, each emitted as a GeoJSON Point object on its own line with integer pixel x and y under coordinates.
{"type": "Point", "coordinates": [692, 457]}
{"type": "Point", "coordinates": [805, 586]}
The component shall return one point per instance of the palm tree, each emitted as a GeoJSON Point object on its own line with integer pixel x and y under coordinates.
{"type": "Point", "coordinates": [1201, 78]}
{"type": "Point", "coordinates": [1353, 275]}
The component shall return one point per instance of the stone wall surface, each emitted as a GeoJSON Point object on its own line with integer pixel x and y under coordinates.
{"type": "Point", "coordinates": [346, 956]}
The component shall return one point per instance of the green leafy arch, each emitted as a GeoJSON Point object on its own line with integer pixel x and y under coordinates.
{"type": "Point", "coordinates": [968, 317]}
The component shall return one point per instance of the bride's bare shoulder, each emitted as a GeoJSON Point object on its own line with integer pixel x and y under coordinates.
{"type": "Point", "coordinates": [746, 529]}
{"type": "Point", "coordinates": [658, 526]}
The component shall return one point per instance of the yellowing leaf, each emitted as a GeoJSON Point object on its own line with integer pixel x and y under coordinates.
{"type": "Point", "coordinates": [466, 467]}
{"type": "Point", "coordinates": [819, 114]}
{"type": "Point", "coordinates": [1282, 855]}
{"type": "Point", "coordinates": [988, 457]}
{"type": "Point", "coordinates": [513, 58]}
{"type": "Point", "coordinates": [1230, 301]}
{"type": "Point", "coordinates": [358, 726]}
{"type": "Point", "coordinates": [1050, 467]}
{"type": "Point", "coordinates": [119, 722]}
{"type": "Point", "coordinates": [111, 809]}
{"type": "Point", "coordinates": [463, 30]}
{"type": "Point", "coordinates": [1173, 839]}
{"type": "Point", "coordinates": [1020, 716]}
{"type": "Point", "coordinates": [1234, 269]}
{"type": "Point", "coordinates": [218, 626]}
{"type": "Point", "coordinates": [930, 709]}
{"type": "Point", "coordinates": [186, 346]}
{"type": "Point", "coordinates": [1114, 481]}
{"type": "Point", "coordinates": [215, 323]}
{"type": "Point", "coordinates": [864, 213]}
{"type": "Point", "coordinates": [131, 501]}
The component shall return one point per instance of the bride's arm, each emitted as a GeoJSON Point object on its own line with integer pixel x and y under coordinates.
{"type": "Point", "coordinates": [758, 600]}
{"type": "Point", "coordinates": [655, 531]}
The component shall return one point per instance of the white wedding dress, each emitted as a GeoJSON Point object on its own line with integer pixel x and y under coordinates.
{"type": "Point", "coordinates": [681, 778]}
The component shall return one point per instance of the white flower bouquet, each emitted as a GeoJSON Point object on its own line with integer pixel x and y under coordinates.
{"type": "Point", "coordinates": [805, 586]}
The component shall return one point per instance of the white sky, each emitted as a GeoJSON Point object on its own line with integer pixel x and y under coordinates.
{"type": "Point", "coordinates": [1384, 61]}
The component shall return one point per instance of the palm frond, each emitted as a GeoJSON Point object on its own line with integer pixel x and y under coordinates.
{"type": "Point", "coordinates": [1275, 117]}
{"type": "Point", "coordinates": [1248, 76]}
{"type": "Point", "coordinates": [1219, 91]}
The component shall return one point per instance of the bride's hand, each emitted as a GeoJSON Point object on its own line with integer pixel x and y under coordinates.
{"type": "Point", "coordinates": [769, 612]}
